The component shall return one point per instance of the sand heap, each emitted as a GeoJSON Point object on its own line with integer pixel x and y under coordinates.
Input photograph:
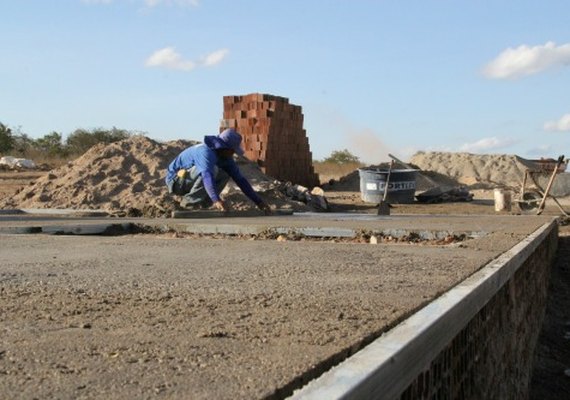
{"type": "Point", "coordinates": [477, 171]}
{"type": "Point", "coordinates": [127, 178]}
{"type": "Point", "coordinates": [443, 169]}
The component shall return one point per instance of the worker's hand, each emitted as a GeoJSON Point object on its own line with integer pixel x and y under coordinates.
{"type": "Point", "coordinates": [263, 206]}
{"type": "Point", "coordinates": [219, 205]}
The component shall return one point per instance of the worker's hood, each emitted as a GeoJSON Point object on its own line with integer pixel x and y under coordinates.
{"type": "Point", "coordinates": [228, 139]}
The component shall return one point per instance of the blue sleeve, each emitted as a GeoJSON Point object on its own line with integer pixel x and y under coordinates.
{"type": "Point", "coordinates": [209, 185]}
{"type": "Point", "coordinates": [205, 162]}
{"type": "Point", "coordinates": [233, 171]}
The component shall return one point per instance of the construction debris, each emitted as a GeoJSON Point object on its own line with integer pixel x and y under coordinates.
{"type": "Point", "coordinates": [314, 198]}
{"type": "Point", "coordinates": [10, 162]}
{"type": "Point", "coordinates": [443, 194]}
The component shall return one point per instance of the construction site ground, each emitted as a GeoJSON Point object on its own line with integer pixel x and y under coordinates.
{"type": "Point", "coordinates": [173, 314]}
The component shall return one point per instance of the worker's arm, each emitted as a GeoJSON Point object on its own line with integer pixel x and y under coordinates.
{"type": "Point", "coordinates": [210, 186]}
{"type": "Point", "coordinates": [234, 172]}
{"type": "Point", "coordinates": [205, 161]}
{"type": "Point", "coordinates": [208, 179]}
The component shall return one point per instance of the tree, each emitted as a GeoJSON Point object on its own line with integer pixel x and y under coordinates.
{"type": "Point", "coordinates": [342, 157]}
{"type": "Point", "coordinates": [82, 140]}
{"type": "Point", "coordinates": [22, 144]}
{"type": "Point", "coordinates": [6, 139]}
{"type": "Point", "coordinates": [51, 144]}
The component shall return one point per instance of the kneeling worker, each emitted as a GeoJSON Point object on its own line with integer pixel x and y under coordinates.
{"type": "Point", "coordinates": [200, 172]}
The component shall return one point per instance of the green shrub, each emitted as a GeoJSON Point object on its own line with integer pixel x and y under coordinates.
{"type": "Point", "coordinates": [342, 157]}
{"type": "Point", "coordinates": [81, 140]}
{"type": "Point", "coordinates": [6, 139]}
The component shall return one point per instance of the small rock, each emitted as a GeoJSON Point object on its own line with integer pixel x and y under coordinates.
{"type": "Point", "coordinates": [373, 240]}
{"type": "Point", "coordinates": [317, 191]}
{"type": "Point", "coordinates": [281, 238]}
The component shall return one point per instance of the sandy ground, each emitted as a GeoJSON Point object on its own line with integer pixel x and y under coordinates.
{"type": "Point", "coordinates": [114, 320]}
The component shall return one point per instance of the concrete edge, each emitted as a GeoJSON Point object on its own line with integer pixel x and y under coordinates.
{"type": "Point", "coordinates": [69, 229]}
{"type": "Point", "coordinates": [78, 228]}
{"type": "Point", "coordinates": [54, 211]}
{"type": "Point", "coordinates": [385, 368]}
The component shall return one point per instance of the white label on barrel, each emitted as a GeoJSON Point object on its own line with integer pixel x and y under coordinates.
{"type": "Point", "coordinates": [371, 186]}
{"type": "Point", "coordinates": [395, 186]}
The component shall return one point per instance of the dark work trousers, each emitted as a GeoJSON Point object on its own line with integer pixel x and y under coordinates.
{"type": "Point", "coordinates": [191, 187]}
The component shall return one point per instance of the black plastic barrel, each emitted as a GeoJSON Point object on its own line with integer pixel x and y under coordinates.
{"type": "Point", "coordinates": [401, 186]}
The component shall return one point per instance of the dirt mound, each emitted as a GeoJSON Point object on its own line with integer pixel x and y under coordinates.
{"type": "Point", "coordinates": [424, 180]}
{"type": "Point", "coordinates": [127, 178]}
{"type": "Point", "coordinates": [482, 171]}
{"type": "Point", "coordinates": [476, 171]}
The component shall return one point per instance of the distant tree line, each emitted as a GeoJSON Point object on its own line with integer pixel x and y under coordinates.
{"type": "Point", "coordinates": [52, 144]}
{"type": "Point", "coordinates": [342, 157]}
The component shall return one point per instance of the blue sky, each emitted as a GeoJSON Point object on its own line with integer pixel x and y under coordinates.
{"type": "Point", "coordinates": [371, 76]}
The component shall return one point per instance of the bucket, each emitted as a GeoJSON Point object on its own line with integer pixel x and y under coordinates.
{"type": "Point", "coordinates": [401, 187]}
{"type": "Point", "coordinates": [502, 200]}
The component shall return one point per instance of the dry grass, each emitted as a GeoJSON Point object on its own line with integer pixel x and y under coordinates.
{"type": "Point", "coordinates": [328, 170]}
{"type": "Point", "coordinates": [42, 158]}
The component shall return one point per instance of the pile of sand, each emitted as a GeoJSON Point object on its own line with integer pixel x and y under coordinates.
{"type": "Point", "coordinates": [127, 178]}
{"type": "Point", "coordinates": [475, 171]}
{"type": "Point", "coordinates": [424, 180]}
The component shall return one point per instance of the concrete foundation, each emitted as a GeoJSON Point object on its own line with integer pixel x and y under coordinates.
{"type": "Point", "coordinates": [261, 318]}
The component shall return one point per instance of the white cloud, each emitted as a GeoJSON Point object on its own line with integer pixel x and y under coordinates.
{"type": "Point", "coordinates": [214, 58]}
{"type": "Point", "coordinates": [524, 60]}
{"type": "Point", "coordinates": [486, 144]}
{"type": "Point", "coordinates": [562, 125]}
{"type": "Point", "coordinates": [170, 59]}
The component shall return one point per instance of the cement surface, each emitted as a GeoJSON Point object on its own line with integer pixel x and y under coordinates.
{"type": "Point", "coordinates": [141, 315]}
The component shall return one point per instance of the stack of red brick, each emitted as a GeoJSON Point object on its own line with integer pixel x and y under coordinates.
{"type": "Point", "coordinates": [273, 135]}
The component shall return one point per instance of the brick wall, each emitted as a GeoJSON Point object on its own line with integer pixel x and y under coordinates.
{"type": "Point", "coordinates": [491, 357]}
{"type": "Point", "coordinates": [273, 134]}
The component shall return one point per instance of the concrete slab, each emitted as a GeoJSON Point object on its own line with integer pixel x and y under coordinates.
{"type": "Point", "coordinates": [122, 317]}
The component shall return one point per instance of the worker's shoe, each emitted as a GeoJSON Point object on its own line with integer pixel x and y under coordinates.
{"type": "Point", "coordinates": [196, 206]}
{"type": "Point", "coordinates": [190, 206]}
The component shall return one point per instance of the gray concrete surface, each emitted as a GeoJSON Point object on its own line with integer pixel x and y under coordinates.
{"type": "Point", "coordinates": [138, 316]}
